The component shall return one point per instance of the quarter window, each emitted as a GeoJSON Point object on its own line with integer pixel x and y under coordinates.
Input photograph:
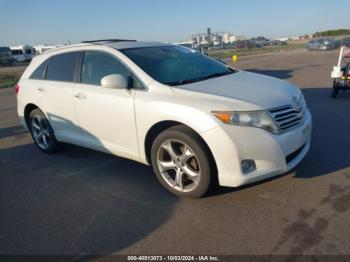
{"type": "Point", "coordinates": [62, 67]}
{"type": "Point", "coordinates": [39, 73]}
{"type": "Point", "coordinates": [97, 65]}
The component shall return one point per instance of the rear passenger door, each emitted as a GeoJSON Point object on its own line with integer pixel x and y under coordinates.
{"type": "Point", "coordinates": [61, 75]}
{"type": "Point", "coordinates": [106, 116]}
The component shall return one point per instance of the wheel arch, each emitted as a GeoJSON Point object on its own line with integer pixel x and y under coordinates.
{"type": "Point", "coordinates": [160, 127]}
{"type": "Point", "coordinates": [29, 108]}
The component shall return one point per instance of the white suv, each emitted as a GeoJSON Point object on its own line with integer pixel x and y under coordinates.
{"type": "Point", "coordinates": [194, 119]}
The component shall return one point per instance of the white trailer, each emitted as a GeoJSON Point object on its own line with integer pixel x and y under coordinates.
{"type": "Point", "coordinates": [43, 48]}
{"type": "Point", "coordinates": [22, 53]}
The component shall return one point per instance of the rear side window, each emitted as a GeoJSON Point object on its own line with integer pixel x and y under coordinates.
{"type": "Point", "coordinates": [63, 67]}
{"type": "Point", "coordinates": [97, 65]}
{"type": "Point", "coordinates": [39, 73]}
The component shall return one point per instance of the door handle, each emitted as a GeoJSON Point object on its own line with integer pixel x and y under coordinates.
{"type": "Point", "coordinates": [80, 96]}
{"type": "Point", "coordinates": [41, 89]}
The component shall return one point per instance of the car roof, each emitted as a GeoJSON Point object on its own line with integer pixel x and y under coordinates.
{"type": "Point", "coordinates": [132, 44]}
{"type": "Point", "coordinates": [118, 45]}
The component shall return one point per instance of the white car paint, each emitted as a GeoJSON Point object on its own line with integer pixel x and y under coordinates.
{"type": "Point", "coordinates": [117, 121]}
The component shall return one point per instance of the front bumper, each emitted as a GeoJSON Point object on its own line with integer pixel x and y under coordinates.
{"type": "Point", "coordinates": [273, 154]}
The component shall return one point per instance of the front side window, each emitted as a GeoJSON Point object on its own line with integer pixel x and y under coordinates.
{"type": "Point", "coordinates": [176, 65]}
{"type": "Point", "coordinates": [97, 65]}
{"type": "Point", "coordinates": [63, 67]}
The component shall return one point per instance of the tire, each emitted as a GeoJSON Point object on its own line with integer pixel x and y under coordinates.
{"type": "Point", "coordinates": [191, 162]}
{"type": "Point", "coordinates": [335, 90]}
{"type": "Point", "coordinates": [42, 132]}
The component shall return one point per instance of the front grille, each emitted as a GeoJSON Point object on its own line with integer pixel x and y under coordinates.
{"type": "Point", "coordinates": [287, 117]}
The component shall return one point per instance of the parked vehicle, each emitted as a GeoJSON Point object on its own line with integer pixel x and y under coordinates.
{"type": "Point", "coordinates": [246, 44]}
{"type": "Point", "coordinates": [322, 44]}
{"type": "Point", "coordinates": [260, 41]}
{"type": "Point", "coordinates": [338, 43]}
{"type": "Point", "coordinates": [22, 53]}
{"type": "Point", "coordinates": [194, 119]}
{"type": "Point", "coordinates": [240, 45]}
{"type": "Point", "coordinates": [345, 42]}
{"type": "Point", "coordinates": [43, 48]}
{"type": "Point", "coordinates": [278, 42]}
{"type": "Point", "coordinates": [341, 72]}
{"type": "Point", "coordinates": [5, 56]}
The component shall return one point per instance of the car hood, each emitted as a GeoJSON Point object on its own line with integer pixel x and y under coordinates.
{"type": "Point", "coordinates": [262, 91]}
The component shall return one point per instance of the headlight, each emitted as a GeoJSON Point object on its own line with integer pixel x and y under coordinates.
{"type": "Point", "coordinates": [258, 119]}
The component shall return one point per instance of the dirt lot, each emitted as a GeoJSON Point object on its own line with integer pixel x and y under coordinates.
{"type": "Point", "coordinates": [84, 202]}
{"type": "Point", "coordinates": [9, 76]}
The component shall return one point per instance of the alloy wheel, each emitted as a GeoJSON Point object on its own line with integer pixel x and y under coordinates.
{"type": "Point", "coordinates": [40, 132]}
{"type": "Point", "coordinates": [178, 165]}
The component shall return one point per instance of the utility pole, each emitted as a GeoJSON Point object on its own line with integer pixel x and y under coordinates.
{"type": "Point", "coordinates": [209, 37]}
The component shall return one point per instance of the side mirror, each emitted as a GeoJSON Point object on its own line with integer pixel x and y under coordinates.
{"type": "Point", "coordinates": [114, 81]}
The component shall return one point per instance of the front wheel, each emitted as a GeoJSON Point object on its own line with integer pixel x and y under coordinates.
{"type": "Point", "coordinates": [42, 132]}
{"type": "Point", "coordinates": [181, 162]}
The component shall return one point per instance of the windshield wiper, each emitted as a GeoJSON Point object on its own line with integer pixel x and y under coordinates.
{"type": "Point", "coordinates": [198, 79]}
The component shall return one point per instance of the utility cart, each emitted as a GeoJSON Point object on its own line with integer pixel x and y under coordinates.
{"type": "Point", "coordinates": [341, 72]}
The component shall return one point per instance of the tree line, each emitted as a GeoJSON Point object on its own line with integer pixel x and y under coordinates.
{"type": "Point", "coordinates": [336, 32]}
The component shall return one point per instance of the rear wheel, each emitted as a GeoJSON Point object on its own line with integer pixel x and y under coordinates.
{"type": "Point", "coordinates": [181, 162]}
{"type": "Point", "coordinates": [42, 132]}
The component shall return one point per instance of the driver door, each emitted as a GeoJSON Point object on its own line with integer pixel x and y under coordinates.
{"type": "Point", "coordinates": [106, 116]}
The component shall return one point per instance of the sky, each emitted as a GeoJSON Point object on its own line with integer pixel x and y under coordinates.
{"type": "Point", "coordinates": [60, 21]}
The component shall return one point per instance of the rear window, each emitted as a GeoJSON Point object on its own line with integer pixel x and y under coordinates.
{"type": "Point", "coordinates": [62, 67]}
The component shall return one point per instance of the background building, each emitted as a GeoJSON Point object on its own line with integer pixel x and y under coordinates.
{"type": "Point", "coordinates": [211, 39]}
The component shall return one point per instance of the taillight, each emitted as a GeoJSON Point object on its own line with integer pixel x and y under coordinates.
{"type": "Point", "coordinates": [17, 88]}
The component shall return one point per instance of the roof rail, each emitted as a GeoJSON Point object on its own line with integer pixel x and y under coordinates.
{"type": "Point", "coordinates": [108, 40]}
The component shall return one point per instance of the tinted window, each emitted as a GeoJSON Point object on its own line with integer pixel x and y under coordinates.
{"type": "Point", "coordinates": [39, 73]}
{"type": "Point", "coordinates": [175, 65]}
{"type": "Point", "coordinates": [17, 52]}
{"type": "Point", "coordinates": [62, 67]}
{"type": "Point", "coordinates": [97, 65]}
{"type": "Point", "coordinates": [4, 50]}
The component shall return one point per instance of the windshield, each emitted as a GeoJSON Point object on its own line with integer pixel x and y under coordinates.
{"type": "Point", "coordinates": [175, 65]}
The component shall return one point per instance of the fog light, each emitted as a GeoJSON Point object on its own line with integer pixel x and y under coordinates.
{"type": "Point", "coordinates": [248, 165]}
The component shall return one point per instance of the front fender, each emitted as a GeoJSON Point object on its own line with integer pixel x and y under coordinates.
{"type": "Point", "coordinates": [151, 113]}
